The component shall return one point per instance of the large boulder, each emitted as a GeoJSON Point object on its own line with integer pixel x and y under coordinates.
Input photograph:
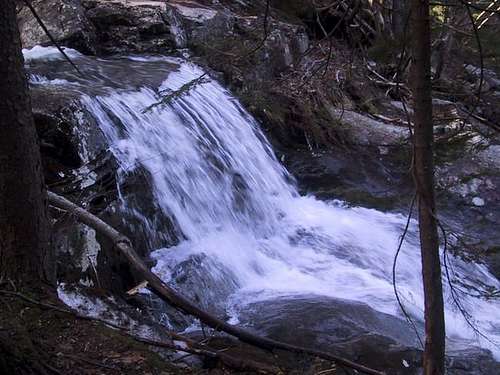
{"type": "Point", "coordinates": [201, 279]}
{"type": "Point", "coordinates": [378, 181]}
{"type": "Point", "coordinates": [356, 331]}
{"type": "Point", "coordinates": [130, 26]}
{"type": "Point", "coordinates": [75, 160]}
{"type": "Point", "coordinates": [99, 26]}
{"type": "Point", "coordinates": [350, 329]}
{"type": "Point", "coordinates": [65, 20]}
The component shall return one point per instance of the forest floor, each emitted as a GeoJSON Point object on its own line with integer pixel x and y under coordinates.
{"type": "Point", "coordinates": [35, 339]}
{"type": "Point", "coordinates": [42, 336]}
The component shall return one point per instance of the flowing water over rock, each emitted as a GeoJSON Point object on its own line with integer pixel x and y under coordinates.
{"type": "Point", "coordinates": [248, 238]}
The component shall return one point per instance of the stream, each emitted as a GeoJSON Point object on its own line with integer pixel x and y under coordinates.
{"type": "Point", "coordinates": [251, 247]}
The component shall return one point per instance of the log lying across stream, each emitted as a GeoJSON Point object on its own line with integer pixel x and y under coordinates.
{"type": "Point", "coordinates": [173, 298]}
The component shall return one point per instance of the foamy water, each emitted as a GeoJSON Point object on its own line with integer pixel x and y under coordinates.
{"type": "Point", "coordinates": [214, 172]}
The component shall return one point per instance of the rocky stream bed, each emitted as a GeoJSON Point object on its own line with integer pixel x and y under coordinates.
{"type": "Point", "coordinates": [340, 139]}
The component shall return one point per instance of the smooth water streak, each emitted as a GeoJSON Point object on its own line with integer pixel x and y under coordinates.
{"type": "Point", "coordinates": [233, 200]}
{"type": "Point", "coordinates": [215, 173]}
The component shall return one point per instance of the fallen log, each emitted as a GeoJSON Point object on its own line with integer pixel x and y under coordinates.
{"type": "Point", "coordinates": [172, 297]}
{"type": "Point", "coordinates": [230, 361]}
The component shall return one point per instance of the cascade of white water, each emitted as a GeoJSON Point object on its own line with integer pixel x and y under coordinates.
{"type": "Point", "coordinates": [213, 170]}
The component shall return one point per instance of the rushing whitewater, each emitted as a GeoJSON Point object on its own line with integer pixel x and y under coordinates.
{"type": "Point", "coordinates": [215, 174]}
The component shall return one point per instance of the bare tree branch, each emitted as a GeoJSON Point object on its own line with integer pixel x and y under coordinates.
{"type": "Point", "coordinates": [172, 297]}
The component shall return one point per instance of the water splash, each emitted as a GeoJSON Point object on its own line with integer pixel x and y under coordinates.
{"type": "Point", "coordinates": [214, 172]}
{"type": "Point", "coordinates": [39, 53]}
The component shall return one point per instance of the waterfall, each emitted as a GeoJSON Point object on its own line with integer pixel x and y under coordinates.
{"type": "Point", "coordinates": [215, 173]}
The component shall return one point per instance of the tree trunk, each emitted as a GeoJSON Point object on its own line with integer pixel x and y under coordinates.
{"type": "Point", "coordinates": [400, 10]}
{"type": "Point", "coordinates": [424, 180]}
{"type": "Point", "coordinates": [25, 254]}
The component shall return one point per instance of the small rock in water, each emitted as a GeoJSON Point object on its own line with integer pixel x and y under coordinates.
{"type": "Point", "coordinates": [479, 202]}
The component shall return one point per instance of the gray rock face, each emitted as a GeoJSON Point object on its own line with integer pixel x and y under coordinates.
{"type": "Point", "coordinates": [69, 136]}
{"type": "Point", "coordinates": [74, 158]}
{"type": "Point", "coordinates": [469, 192]}
{"type": "Point", "coordinates": [329, 321]}
{"type": "Point", "coordinates": [66, 21]}
{"type": "Point", "coordinates": [490, 78]}
{"type": "Point", "coordinates": [356, 331]}
{"type": "Point", "coordinates": [205, 282]}
{"type": "Point", "coordinates": [474, 175]}
{"type": "Point", "coordinates": [99, 26]}
{"type": "Point", "coordinates": [347, 328]}
{"type": "Point", "coordinates": [77, 163]}
{"type": "Point", "coordinates": [130, 26]}
{"type": "Point", "coordinates": [378, 181]}
{"type": "Point", "coordinates": [216, 27]}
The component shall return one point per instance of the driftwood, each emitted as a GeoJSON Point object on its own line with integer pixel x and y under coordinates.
{"type": "Point", "coordinates": [172, 297]}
